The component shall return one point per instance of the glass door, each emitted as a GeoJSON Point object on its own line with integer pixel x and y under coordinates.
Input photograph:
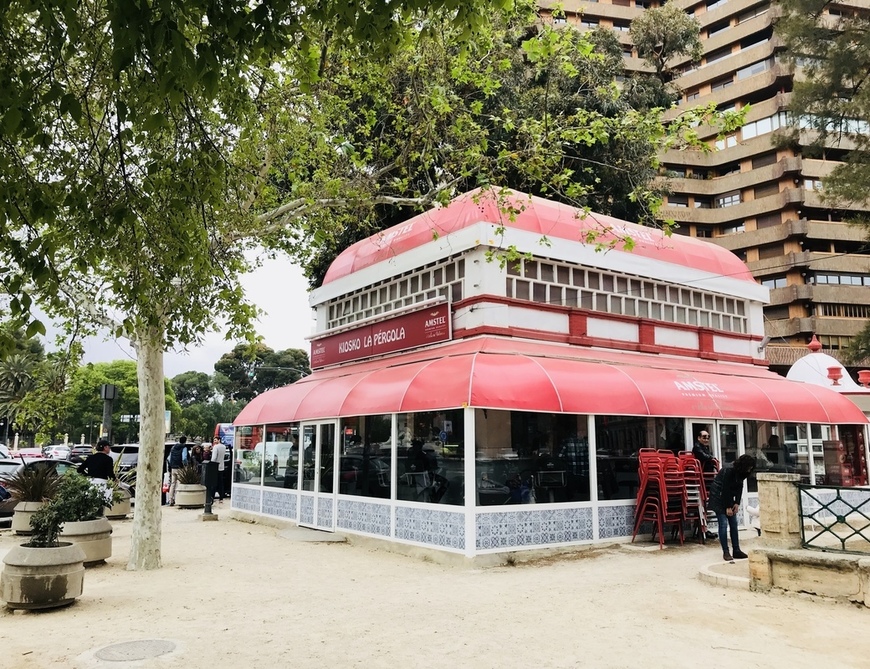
{"type": "Point", "coordinates": [317, 498]}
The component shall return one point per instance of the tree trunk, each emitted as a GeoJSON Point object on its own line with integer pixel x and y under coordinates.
{"type": "Point", "coordinates": [145, 548]}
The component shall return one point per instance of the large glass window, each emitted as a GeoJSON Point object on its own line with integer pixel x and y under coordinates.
{"type": "Point", "coordinates": [365, 456]}
{"type": "Point", "coordinates": [281, 462]}
{"type": "Point", "coordinates": [431, 452]}
{"type": "Point", "coordinates": [617, 441]}
{"type": "Point", "coordinates": [268, 457]}
{"type": "Point", "coordinates": [526, 458]}
{"type": "Point", "coordinates": [778, 448]}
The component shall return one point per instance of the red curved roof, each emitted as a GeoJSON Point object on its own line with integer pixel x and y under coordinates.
{"type": "Point", "coordinates": [529, 376]}
{"type": "Point", "coordinates": [542, 217]}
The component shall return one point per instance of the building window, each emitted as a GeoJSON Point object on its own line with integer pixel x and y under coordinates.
{"type": "Point", "coordinates": [713, 56]}
{"type": "Point", "coordinates": [728, 200]}
{"type": "Point", "coordinates": [620, 293]}
{"type": "Point", "coordinates": [763, 160]}
{"type": "Point", "coordinates": [703, 202]}
{"type": "Point", "coordinates": [717, 28]}
{"type": "Point", "coordinates": [769, 221]}
{"type": "Point", "coordinates": [775, 282]}
{"type": "Point", "coordinates": [722, 83]}
{"type": "Point", "coordinates": [704, 231]}
{"type": "Point", "coordinates": [678, 201]}
{"type": "Point", "coordinates": [769, 251]}
{"type": "Point", "coordinates": [733, 229]}
{"type": "Point", "coordinates": [726, 142]}
{"type": "Point", "coordinates": [766, 190]}
{"type": "Point", "coordinates": [755, 68]}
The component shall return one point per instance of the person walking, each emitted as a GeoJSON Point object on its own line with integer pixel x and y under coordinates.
{"type": "Point", "coordinates": [725, 495]}
{"type": "Point", "coordinates": [177, 456]}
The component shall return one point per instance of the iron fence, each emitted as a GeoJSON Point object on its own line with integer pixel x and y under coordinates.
{"type": "Point", "coordinates": [835, 518]}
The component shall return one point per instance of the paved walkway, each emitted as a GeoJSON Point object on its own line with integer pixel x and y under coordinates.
{"type": "Point", "coordinates": [241, 595]}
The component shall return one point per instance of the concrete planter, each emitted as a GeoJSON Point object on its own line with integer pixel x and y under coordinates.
{"type": "Point", "coordinates": [42, 578]}
{"type": "Point", "coordinates": [190, 495]}
{"type": "Point", "coordinates": [22, 514]}
{"type": "Point", "coordinates": [94, 537]}
{"type": "Point", "coordinates": [121, 509]}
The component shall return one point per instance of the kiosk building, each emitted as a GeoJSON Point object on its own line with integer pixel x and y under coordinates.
{"type": "Point", "coordinates": [486, 372]}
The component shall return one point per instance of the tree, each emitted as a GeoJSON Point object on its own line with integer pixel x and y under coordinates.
{"type": "Point", "coordinates": [192, 388]}
{"type": "Point", "coordinates": [664, 33]}
{"type": "Point", "coordinates": [530, 107]}
{"type": "Point", "coordinates": [146, 148]}
{"type": "Point", "coordinates": [247, 371]}
{"type": "Point", "coordinates": [119, 128]}
{"type": "Point", "coordinates": [831, 100]}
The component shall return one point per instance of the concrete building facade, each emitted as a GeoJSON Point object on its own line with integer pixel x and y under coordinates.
{"type": "Point", "coordinates": [755, 195]}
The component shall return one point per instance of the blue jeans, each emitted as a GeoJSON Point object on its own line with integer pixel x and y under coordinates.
{"type": "Point", "coordinates": [725, 521]}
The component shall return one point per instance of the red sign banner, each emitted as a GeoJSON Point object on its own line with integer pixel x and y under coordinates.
{"type": "Point", "coordinates": [419, 328]}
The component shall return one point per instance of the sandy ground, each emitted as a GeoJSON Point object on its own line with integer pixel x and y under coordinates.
{"type": "Point", "coordinates": [234, 594]}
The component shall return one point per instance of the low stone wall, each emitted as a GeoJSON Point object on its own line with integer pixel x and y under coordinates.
{"type": "Point", "coordinates": [838, 576]}
{"type": "Point", "coordinates": [778, 562]}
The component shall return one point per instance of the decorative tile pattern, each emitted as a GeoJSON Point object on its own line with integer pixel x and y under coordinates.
{"type": "Point", "coordinates": [615, 521]}
{"type": "Point", "coordinates": [431, 527]}
{"type": "Point", "coordinates": [280, 503]}
{"type": "Point", "coordinates": [526, 528]}
{"type": "Point", "coordinates": [306, 509]}
{"type": "Point", "coordinates": [245, 499]}
{"type": "Point", "coordinates": [324, 512]}
{"type": "Point", "coordinates": [366, 517]}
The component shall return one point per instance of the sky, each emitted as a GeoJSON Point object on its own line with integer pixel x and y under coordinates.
{"type": "Point", "coordinates": [277, 288]}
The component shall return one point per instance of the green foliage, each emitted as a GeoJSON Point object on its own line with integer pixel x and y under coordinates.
{"type": "Point", "coordinates": [192, 388]}
{"type": "Point", "coordinates": [76, 499]}
{"type": "Point", "coordinates": [831, 54]}
{"type": "Point", "coordinates": [32, 484]}
{"type": "Point", "coordinates": [250, 370]}
{"type": "Point", "coordinates": [665, 33]}
{"type": "Point", "coordinates": [189, 474]}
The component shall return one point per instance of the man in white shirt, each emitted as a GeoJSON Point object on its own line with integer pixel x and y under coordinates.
{"type": "Point", "coordinates": [218, 453]}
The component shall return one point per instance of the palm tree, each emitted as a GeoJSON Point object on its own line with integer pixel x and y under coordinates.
{"type": "Point", "coordinates": [16, 380]}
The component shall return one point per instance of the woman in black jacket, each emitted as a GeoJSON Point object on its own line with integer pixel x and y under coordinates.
{"type": "Point", "coordinates": [725, 494]}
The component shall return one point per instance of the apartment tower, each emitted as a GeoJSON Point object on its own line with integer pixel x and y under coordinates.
{"type": "Point", "coordinates": [756, 195]}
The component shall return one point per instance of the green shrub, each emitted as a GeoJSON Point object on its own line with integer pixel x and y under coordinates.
{"type": "Point", "coordinates": [32, 484]}
{"type": "Point", "coordinates": [76, 499]}
{"type": "Point", "coordinates": [189, 475]}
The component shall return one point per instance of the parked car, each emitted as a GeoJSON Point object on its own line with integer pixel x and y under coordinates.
{"type": "Point", "coordinates": [79, 453]}
{"type": "Point", "coordinates": [59, 452]}
{"type": "Point", "coordinates": [4, 451]}
{"type": "Point", "coordinates": [30, 453]}
{"type": "Point", "coordinates": [9, 466]}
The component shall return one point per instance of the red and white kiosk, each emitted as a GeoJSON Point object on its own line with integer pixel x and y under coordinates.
{"type": "Point", "coordinates": [470, 405]}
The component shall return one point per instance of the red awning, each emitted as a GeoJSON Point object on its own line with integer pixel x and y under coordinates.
{"type": "Point", "coordinates": [542, 217]}
{"type": "Point", "coordinates": [526, 376]}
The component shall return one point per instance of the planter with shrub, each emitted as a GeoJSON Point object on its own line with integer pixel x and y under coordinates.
{"type": "Point", "coordinates": [46, 572]}
{"type": "Point", "coordinates": [32, 487]}
{"type": "Point", "coordinates": [189, 491]}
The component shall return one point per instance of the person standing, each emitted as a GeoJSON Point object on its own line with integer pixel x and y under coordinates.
{"type": "Point", "coordinates": [99, 465]}
{"type": "Point", "coordinates": [177, 456]}
{"type": "Point", "coordinates": [218, 453]}
{"type": "Point", "coordinates": [725, 495]}
{"type": "Point", "coordinates": [702, 451]}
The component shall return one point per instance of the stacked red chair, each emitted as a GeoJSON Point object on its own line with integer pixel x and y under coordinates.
{"type": "Point", "coordinates": [695, 495]}
{"type": "Point", "coordinates": [661, 496]}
